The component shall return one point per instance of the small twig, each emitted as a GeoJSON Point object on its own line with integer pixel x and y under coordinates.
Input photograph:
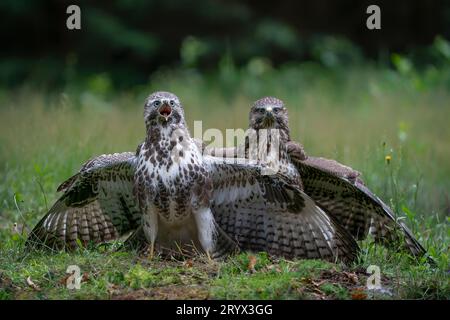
{"type": "Point", "coordinates": [31, 284]}
{"type": "Point", "coordinates": [43, 193]}
{"type": "Point", "coordinates": [20, 212]}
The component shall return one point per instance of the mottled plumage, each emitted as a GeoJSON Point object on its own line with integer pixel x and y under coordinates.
{"type": "Point", "coordinates": [172, 185]}
{"type": "Point", "coordinates": [270, 213]}
{"type": "Point", "coordinates": [169, 192]}
{"type": "Point", "coordinates": [336, 188]}
{"type": "Point", "coordinates": [97, 205]}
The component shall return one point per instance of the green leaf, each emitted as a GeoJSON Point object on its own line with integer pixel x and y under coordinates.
{"type": "Point", "coordinates": [79, 243]}
{"type": "Point", "coordinates": [402, 64]}
{"type": "Point", "coordinates": [409, 214]}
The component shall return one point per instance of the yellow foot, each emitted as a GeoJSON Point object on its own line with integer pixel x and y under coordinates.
{"type": "Point", "coordinates": [152, 251]}
{"type": "Point", "coordinates": [210, 260]}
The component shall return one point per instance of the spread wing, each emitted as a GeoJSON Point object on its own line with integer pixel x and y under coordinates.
{"type": "Point", "coordinates": [334, 167]}
{"type": "Point", "coordinates": [97, 205]}
{"type": "Point", "coordinates": [96, 162]}
{"type": "Point", "coordinates": [266, 213]}
{"type": "Point", "coordinates": [339, 191]}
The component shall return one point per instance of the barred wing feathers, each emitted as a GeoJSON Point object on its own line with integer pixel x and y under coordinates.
{"type": "Point", "coordinates": [355, 207]}
{"type": "Point", "coordinates": [97, 205]}
{"type": "Point", "coordinates": [267, 213]}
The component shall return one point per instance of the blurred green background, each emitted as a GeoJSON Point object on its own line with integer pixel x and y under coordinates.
{"type": "Point", "coordinates": [353, 94]}
{"type": "Point", "coordinates": [128, 40]}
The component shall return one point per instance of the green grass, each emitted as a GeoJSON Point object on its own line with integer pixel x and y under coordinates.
{"type": "Point", "coordinates": [357, 116]}
{"type": "Point", "coordinates": [124, 275]}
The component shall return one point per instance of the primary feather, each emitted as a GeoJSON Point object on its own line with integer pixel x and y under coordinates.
{"type": "Point", "coordinates": [97, 205]}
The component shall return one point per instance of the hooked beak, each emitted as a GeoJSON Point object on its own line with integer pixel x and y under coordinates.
{"type": "Point", "coordinates": [269, 118]}
{"type": "Point", "coordinates": [269, 113]}
{"type": "Point", "coordinates": [165, 110]}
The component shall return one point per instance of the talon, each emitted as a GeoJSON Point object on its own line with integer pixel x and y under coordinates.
{"type": "Point", "coordinates": [209, 257]}
{"type": "Point", "coordinates": [152, 250]}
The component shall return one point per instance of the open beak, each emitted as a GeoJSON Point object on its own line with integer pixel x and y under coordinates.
{"type": "Point", "coordinates": [165, 110]}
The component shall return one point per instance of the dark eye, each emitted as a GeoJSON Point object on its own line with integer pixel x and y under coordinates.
{"type": "Point", "coordinates": [157, 103]}
{"type": "Point", "coordinates": [276, 109]}
{"type": "Point", "coordinates": [261, 110]}
{"type": "Point", "coordinates": [172, 103]}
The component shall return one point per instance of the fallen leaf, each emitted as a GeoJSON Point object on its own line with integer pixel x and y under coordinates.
{"type": "Point", "coordinates": [251, 263]}
{"type": "Point", "coordinates": [85, 277]}
{"type": "Point", "coordinates": [63, 280]}
{"type": "Point", "coordinates": [188, 263]}
{"type": "Point", "coordinates": [359, 294]}
{"type": "Point", "coordinates": [32, 284]}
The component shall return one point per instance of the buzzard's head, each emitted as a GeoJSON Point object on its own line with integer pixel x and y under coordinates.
{"type": "Point", "coordinates": [163, 108]}
{"type": "Point", "coordinates": [269, 113]}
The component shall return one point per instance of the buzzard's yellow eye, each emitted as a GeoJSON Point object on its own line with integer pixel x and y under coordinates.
{"type": "Point", "coordinates": [157, 103]}
{"type": "Point", "coordinates": [172, 103]}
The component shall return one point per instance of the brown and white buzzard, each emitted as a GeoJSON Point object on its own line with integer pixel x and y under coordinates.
{"type": "Point", "coordinates": [169, 194]}
{"type": "Point", "coordinates": [336, 188]}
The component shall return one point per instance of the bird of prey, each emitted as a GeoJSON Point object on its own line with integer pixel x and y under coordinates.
{"type": "Point", "coordinates": [336, 188]}
{"type": "Point", "coordinates": [169, 194]}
